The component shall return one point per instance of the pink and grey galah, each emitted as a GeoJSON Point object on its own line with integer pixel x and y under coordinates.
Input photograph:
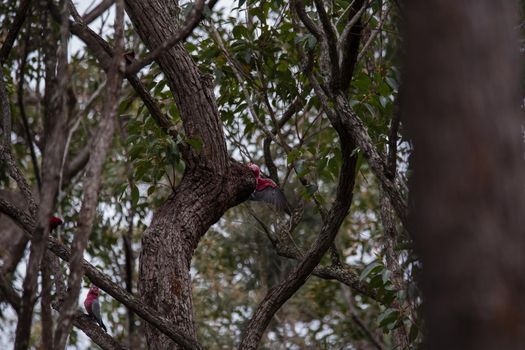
{"type": "Point", "coordinates": [268, 191]}
{"type": "Point", "coordinates": [93, 306]}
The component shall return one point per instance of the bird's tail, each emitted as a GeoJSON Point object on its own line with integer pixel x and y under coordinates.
{"type": "Point", "coordinates": [101, 324]}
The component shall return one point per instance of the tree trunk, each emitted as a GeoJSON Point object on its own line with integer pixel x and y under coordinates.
{"type": "Point", "coordinates": [462, 112]}
{"type": "Point", "coordinates": [211, 184]}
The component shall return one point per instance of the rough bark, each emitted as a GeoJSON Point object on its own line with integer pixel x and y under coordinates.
{"type": "Point", "coordinates": [92, 183]}
{"type": "Point", "coordinates": [12, 240]}
{"type": "Point", "coordinates": [55, 124]}
{"type": "Point", "coordinates": [211, 183]}
{"type": "Point", "coordinates": [462, 111]}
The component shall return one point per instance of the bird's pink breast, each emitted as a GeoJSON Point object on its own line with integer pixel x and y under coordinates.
{"type": "Point", "coordinates": [89, 300]}
{"type": "Point", "coordinates": [263, 183]}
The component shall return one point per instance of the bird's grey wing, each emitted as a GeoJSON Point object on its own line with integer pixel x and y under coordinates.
{"type": "Point", "coordinates": [273, 196]}
{"type": "Point", "coordinates": [95, 309]}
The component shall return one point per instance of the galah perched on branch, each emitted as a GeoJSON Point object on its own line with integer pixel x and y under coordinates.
{"type": "Point", "coordinates": [268, 191]}
{"type": "Point", "coordinates": [93, 307]}
{"type": "Point", "coordinates": [54, 222]}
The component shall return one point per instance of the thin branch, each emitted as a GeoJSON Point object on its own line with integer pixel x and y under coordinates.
{"type": "Point", "coordinates": [103, 53]}
{"type": "Point", "coordinates": [5, 122]}
{"type": "Point", "coordinates": [307, 21]}
{"type": "Point", "coordinates": [330, 39]}
{"type": "Point", "coordinates": [9, 294]}
{"type": "Point", "coordinates": [372, 36]}
{"type": "Point", "coordinates": [190, 23]}
{"type": "Point", "coordinates": [89, 17]}
{"type": "Point", "coordinates": [10, 38]}
{"type": "Point", "coordinates": [349, 43]}
{"type": "Point", "coordinates": [16, 174]}
{"type": "Point", "coordinates": [278, 295]}
{"type": "Point", "coordinates": [92, 183]}
{"type": "Point", "coordinates": [367, 332]}
{"type": "Point", "coordinates": [359, 133]}
{"type": "Point", "coordinates": [21, 107]}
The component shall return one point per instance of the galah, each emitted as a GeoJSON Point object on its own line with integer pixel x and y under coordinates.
{"type": "Point", "coordinates": [268, 191]}
{"type": "Point", "coordinates": [93, 306]}
{"type": "Point", "coordinates": [54, 222]}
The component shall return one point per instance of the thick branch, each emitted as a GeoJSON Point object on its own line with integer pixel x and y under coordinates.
{"type": "Point", "coordinates": [350, 42]}
{"type": "Point", "coordinates": [278, 295]}
{"type": "Point", "coordinates": [307, 21]}
{"type": "Point", "coordinates": [330, 38]}
{"type": "Point", "coordinates": [359, 133]}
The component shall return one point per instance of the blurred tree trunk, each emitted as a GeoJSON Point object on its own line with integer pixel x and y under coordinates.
{"type": "Point", "coordinates": [467, 192]}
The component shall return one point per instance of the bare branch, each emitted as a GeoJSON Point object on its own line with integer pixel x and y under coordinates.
{"type": "Point", "coordinates": [355, 15]}
{"type": "Point", "coordinates": [89, 17]}
{"type": "Point", "coordinates": [103, 53]}
{"type": "Point", "coordinates": [307, 21]}
{"type": "Point", "coordinates": [9, 294]}
{"type": "Point", "coordinates": [278, 295]}
{"type": "Point", "coordinates": [46, 315]}
{"type": "Point", "coordinates": [330, 38]}
{"type": "Point", "coordinates": [21, 107]}
{"type": "Point", "coordinates": [95, 332]}
{"type": "Point", "coordinates": [349, 42]}
{"type": "Point", "coordinates": [375, 159]}
{"type": "Point", "coordinates": [16, 174]}
{"type": "Point", "coordinates": [190, 23]}
{"type": "Point", "coordinates": [54, 123]}
{"type": "Point", "coordinates": [20, 16]}
{"type": "Point", "coordinates": [92, 183]}
{"type": "Point", "coordinates": [5, 122]}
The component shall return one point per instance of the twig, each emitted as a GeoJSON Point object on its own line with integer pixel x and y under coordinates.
{"type": "Point", "coordinates": [191, 21]}
{"type": "Point", "coordinates": [10, 38]}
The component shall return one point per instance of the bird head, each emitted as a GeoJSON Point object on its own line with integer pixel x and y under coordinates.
{"type": "Point", "coordinates": [54, 222]}
{"type": "Point", "coordinates": [94, 291]}
{"type": "Point", "coordinates": [255, 169]}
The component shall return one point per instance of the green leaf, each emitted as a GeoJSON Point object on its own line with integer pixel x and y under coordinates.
{"type": "Point", "coordinates": [386, 276]}
{"type": "Point", "coordinates": [135, 195]}
{"type": "Point", "coordinates": [293, 155]}
{"type": "Point", "coordinates": [414, 331]}
{"type": "Point", "coordinates": [388, 317]}
{"type": "Point", "coordinates": [372, 267]}
{"type": "Point", "coordinates": [195, 143]}
{"type": "Point", "coordinates": [392, 83]}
